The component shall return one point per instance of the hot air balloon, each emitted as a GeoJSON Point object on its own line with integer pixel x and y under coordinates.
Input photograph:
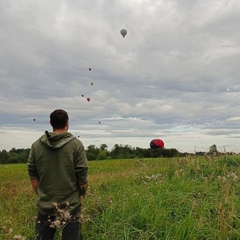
{"type": "Point", "coordinates": [91, 83]}
{"type": "Point", "coordinates": [88, 99]}
{"type": "Point", "coordinates": [90, 69]}
{"type": "Point", "coordinates": [82, 95]}
{"type": "Point", "coordinates": [123, 32]}
{"type": "Point", "coordinates": [34, 119]}
{"type": "Point", "coordinates": [156, 143]}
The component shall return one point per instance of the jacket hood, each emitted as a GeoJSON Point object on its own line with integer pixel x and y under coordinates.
{"type": "Point", "coordinates": [56, 140]}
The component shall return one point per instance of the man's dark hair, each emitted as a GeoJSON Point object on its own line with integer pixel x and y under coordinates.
{"type": "Point", "coordinates": [58, 119]}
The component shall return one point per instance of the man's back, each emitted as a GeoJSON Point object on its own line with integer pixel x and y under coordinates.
{"type": "Point", "coordinates": [55, 160]}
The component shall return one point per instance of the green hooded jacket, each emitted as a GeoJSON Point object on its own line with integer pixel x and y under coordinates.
{"type": "Point", "coordinates": [59, 162]}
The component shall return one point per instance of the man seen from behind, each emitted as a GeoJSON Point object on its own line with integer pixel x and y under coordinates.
{"type": "Point", "coordinates": [58, 169]}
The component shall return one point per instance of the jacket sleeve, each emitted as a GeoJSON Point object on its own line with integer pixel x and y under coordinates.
{"type": "Point", "coordinates": [31, 166]}
{"type": "Point", "coordinates": [81, 165]}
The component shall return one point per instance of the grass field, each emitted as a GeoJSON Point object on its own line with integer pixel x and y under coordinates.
{"type": "Point", "coordinates": [171, 199]}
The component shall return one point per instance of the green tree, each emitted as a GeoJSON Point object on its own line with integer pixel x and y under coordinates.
{"type": "Point", "coordinates": [103, 147]}
{"type": "Point", "coordinates": [120, 151]}
{"type": "Point", "coordinates": [213, 149]}
{"type": "Point", "coordinates": [101, 155]}
{"type": "Point", "coordinates": [4, 156]}
{"type": "Point", "coordinates": [13, 158]}
{"type": "Point", "coordinates": [92, 152]}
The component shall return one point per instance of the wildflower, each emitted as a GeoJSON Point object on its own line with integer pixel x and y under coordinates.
{"type": "Point", "coordinates": [62, 215]}
{"type": "Point", "coordinates": [110, 199]}
{"type": "Point", "coordinates": [57, 223]}
{"type": "Point", "coordinates": [233, 176]}
{"type": "Point", "coordinates": [153, 177]}
{"type": "Point", "coordinates": [4, 228]}
{"type": "Point", "coordinates": [224, 179]}
{"type": "Point", "coordinates": [19, 237]}
{"type": "Point", "coordinates": [67, 215]}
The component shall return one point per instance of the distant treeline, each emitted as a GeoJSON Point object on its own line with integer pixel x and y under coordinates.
{"type": "Point", "coordinates": [98, 153]}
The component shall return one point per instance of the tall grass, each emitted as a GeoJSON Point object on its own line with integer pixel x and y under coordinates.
{"type": "Point", "coordinates": [171, 199]}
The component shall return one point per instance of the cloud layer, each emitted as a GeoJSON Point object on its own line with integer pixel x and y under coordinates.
{"type": "Point", "coordinates": [175, 76]}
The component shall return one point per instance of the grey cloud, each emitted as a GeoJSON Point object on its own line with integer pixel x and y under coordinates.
{"type": "Point", "coordinates": [174, 76]}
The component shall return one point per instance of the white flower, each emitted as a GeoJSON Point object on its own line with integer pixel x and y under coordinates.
{"type": "Point", "coordinates": [57, 223]}
{"type": "Point", "coordinates": [67, 215]}
{"type": "Point", "coordinates": [19, 237]}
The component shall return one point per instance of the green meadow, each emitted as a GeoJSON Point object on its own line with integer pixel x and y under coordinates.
{"type": "Point", "coordinates": [139, 199]}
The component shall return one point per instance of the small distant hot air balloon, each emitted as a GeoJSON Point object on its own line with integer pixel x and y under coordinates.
{"type": "Point", "coordinates": [82, 95]}
{"type": "Point", "coordinates": [99, 122]}
{"type": "Point", "coordinates": [91, 83]}
{"type": "Point", "coordinates": [123, 32]}
{"type": "Point", "coordinates": [88, 99]}
{"type": "Point", "coordinates": [156, 143]}
{"type": "Point", "coordinates": [90, 69]}
{"type": "Point", "coordinates": [34, 119]}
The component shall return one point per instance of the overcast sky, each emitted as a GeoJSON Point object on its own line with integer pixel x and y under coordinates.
{"type": "Point", "coordinates": [175, 76]}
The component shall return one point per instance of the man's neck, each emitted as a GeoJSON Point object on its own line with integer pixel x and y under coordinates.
{"type": "Point", "coordinates": [59, 130]}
